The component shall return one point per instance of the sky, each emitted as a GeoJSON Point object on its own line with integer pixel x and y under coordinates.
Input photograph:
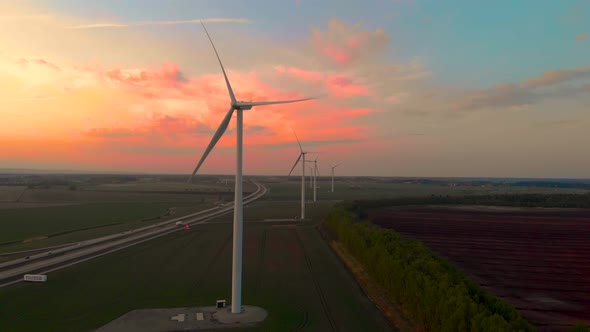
{"type": "Point", "coordinates": [405, 87]}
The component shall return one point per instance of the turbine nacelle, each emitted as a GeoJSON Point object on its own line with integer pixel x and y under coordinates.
{"type": "Point", "coordinates": [243, 105]}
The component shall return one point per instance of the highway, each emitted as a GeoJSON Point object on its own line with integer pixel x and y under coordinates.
{"type": "Point", "coordinates": [12, 272]}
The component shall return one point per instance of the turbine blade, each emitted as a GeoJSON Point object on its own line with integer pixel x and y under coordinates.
{"type": "Point", "coordinates": [300, 148]}
{"type": "Point", "coordinates": [229, 89]}
{"type": "Point", "coordinates": [261, 103]}
{"type": "Point", "coordinates": [296, 162]}
{"type": "Point", "coordinates": [220, 130]}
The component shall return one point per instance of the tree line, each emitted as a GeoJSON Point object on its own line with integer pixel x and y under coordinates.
{"type": "Point", "coordinates": [436, 294]}
{"type": "Point", "coordinates": [516, 200]}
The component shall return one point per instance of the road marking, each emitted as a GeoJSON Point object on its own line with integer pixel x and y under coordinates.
{"type": "Point", "coordinates": [179, 317]}
{"type": "Point", "coordinates": [200, 316]}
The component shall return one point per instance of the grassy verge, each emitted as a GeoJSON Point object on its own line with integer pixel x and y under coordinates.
{"type": "Point", "coordinates": [436, 295]}
{"type": "Point", "coordinates": [374, 291]}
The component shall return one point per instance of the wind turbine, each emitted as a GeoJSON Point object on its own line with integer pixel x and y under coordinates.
{"type": "Point", "coordinates": [310, 177]}
{"type": "Point", "coordinates": [333, 174]}
{"type": "Point", "coordinates": [315, 174]}
{"type": "Point", "coordinates": [302, 159]}
{"type": "Point", "coordinates": [238, 106]}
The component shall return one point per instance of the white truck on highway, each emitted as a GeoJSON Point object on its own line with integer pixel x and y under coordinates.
{"type": "Point", "coordinates": [35, 277]}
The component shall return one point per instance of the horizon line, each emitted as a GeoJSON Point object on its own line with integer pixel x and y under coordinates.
{"type": "Point", "coordinates": [35, 171]}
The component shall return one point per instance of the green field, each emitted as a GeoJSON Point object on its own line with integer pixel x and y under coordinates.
{"type": "Point", "coordinates": [164, 186]}
{"type": "Point", "coordinates": [44, 217]}
{"type": "Point", "coordinates": [351, 190]}
{"type": "Point", "coordinates": [64, 195]}
{"type": "Point", "coordinates": [289, 271]}
{"type": "Point", "coordinates": [10, 193]}
{"type": "Point", "coordinates": [24, 229]}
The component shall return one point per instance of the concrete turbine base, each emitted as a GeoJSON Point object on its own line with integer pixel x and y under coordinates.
{"type": "Point", "coordinates": [185, 319]}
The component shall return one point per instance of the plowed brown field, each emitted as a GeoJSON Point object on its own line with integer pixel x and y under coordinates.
{"type": "Point", "coordinates": [538, 260]}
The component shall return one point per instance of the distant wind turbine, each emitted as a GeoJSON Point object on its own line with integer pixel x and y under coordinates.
{"type": "Point", "coordinates": [238, 106]}
{"type": "Point", "coordinates": [302, 159]}
{"type": "Point", "coordinates": [333, 174]}
{"type": "Point", "coordinates": [315, 175]}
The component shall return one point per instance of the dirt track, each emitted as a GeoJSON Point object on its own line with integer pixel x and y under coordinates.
{"type": "Point", "coordinates": [536, 259]}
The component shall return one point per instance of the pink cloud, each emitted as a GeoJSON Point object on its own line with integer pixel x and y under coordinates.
{"type": "Point", "coordinates": [180, 116]}
{"type": "Point", "coordinates": [338, 55]}
{"type": "Point", "coordinates": [168, 75]}
{"type": "Point", "coordinates": [338, 85]}
{"type": "Point", "coordinates": [147, 113]}
{"type": "Point", "coordinates": [345, 45]}
{"type": "Point", "coordinates": [341, 86]}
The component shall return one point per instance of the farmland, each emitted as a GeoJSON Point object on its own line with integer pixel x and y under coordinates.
{"type": "Point", "coordinates": [535, 259]}
{"type": "Point", "coordinates": [53, 211]}
{"type": "Point", "coordinates": [369, 188]}
{"type": "Point", "coordinates": [26, 229]}
{"type": "Point", "coordinates": [288, 270]}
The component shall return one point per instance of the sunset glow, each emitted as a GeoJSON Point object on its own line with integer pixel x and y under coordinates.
{"type": "Point", "coordinates": [129, 94]}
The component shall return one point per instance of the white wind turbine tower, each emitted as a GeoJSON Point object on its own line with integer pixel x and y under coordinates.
{"type": "Point", "coordinates": [238, 106]}
{"type": "Point", "coordinates": [302, 159]}
{"type": "Point", "coordinates": [333, 174]}
{"type": "Point", "coordinates": [315, 174]}
{"type": "Point", "coordinates": [310, 177]}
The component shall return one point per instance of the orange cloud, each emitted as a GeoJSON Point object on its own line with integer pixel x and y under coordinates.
{"type": "Point", "coordinates": [24, 62]}
{"type": "Point", "coordinates": [338, 85]}
{"type": "Point", "coordinates": [168, 75]}
{"type": "Point", "coordinates": [305, 75]}
{"type": "Point", "coordinates": [160, 112]}
{"type": "Point", "coordinates": [160, 118]}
